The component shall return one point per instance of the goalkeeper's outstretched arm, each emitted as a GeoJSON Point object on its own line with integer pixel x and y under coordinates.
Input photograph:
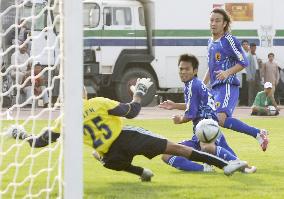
{"type": "Point", "coordinates": [41, 140]}
{"type": "Point", "coordinates": [132, 109]}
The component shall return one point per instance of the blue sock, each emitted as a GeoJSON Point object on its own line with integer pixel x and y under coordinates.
{"type": "Point", "coordinates": [237, 125]}
{"type": "Point", "coordinates": [224, 154]}
{"type": "Point", "coordinates": [184, 164]}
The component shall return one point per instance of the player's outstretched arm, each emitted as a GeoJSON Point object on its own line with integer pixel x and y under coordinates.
{"type": "Point", "coordinates": [180, 119]}
{"type": "Point", "coordinates": [42, 140]}
{"type": "Point", "coordinates": [170, 105]}
{"type": "Point", "coordinates": [132, 109]}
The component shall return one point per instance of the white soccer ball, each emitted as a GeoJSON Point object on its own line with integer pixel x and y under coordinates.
{"type": "Point", "coordinates": [207, 130]}
{"type": "Point", "coordinates": [272, 110]}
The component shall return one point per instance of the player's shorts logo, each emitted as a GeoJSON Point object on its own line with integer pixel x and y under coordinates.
{"type": "Point", "coordinates": [217, 104]}
{"type": "Point", "coordinates": [218, 56]}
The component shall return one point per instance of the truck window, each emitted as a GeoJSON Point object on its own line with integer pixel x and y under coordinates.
{"type": "Point", "coordinates": [107, 16]}
{"type": "Point", "coordinates": [141, 16]}
{"type": "Point", "coordinates": [122, 16]}
{"type": "Point", "coordinates": [91, 15]}
{"type": "Point", "coordinates": [39, 22]}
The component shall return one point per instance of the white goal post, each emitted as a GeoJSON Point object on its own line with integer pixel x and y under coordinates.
{"type": "Point", "coordinates": [41, 59]}
{"type": "Point", "coordinates": [73, 66]}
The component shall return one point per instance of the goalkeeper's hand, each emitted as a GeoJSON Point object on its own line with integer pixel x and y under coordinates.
{"type": "Point", "coordinates": [17, 132]}
{"type": "Point", "coordinates": [141, 87]}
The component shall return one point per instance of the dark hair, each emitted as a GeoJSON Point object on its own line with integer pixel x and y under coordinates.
{"type": "Point", "coordinates": [226, 18]}
{"type": "Point", "coordinates": [252, 44]}
{"type": "Point", "coordinates": [37, 64]}
{"type": "Point", "coordinates": [189, 58]}
{"type": "Point", "coordinates": [245, 41]}
{"type": "Point", "coordinates": [271, 54]}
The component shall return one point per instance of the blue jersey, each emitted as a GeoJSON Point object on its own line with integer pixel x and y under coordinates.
{"type": "Point", "coordinates": [223, 54]}
{"type": "Point", "coordinates": [199, 101]}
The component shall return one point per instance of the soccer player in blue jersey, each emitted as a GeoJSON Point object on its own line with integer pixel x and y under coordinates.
{"type": "Point", "coordinates": [225, 59]}
{"type": "Point", "coordinates": [117, 144]}
{"type": "Point", "coordinates": [199, 104]}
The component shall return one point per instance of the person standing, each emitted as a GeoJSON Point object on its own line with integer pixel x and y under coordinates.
{"type": "Point", "coordinates": [225, 59]}
{"type": "Point", "coordinates": [271, 72]}
{"type": "Point", "coordinates": [20, 60]}
{"type": "Point", "coordinates": [253, 74]}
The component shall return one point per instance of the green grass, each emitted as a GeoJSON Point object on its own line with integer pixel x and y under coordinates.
{"type": "Point", "coordinates": [101, 183]}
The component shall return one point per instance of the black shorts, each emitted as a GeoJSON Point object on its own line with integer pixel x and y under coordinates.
{"type": "Point", "coordinates": [133, 141]}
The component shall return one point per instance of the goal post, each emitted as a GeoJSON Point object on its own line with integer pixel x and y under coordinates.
{"type": "Point", "coordinates": [73, 84]}
{"type": "Point", "coordinates": [41, 78]}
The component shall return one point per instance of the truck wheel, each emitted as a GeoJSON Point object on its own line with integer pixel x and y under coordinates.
{"type": "Point", "coordinates": [128, 79]}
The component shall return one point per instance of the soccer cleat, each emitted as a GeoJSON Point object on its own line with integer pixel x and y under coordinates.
{"type": "Point", "coordinates": [208, 168]}
{"type": "Point", "coordinates": [249, 169]}
{"type": "Point", "coordinates": [146, 175]}
{"type": "Point", "coordinates": [233, 166]}
{"type": "Point", "coordinates": [262, 138]}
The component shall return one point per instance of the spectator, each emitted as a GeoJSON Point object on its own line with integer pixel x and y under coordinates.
{"type": "Point", "coordinates": [18, 58]}
{"type": "Point", "coordinates": [245, 45]}
{"type": "Point", "coordinates": [264, 99]}
{"type": "Point", "coordinates": [242, 76]}
{"type": "Point", "coordinates": [23, 32]}
{"type": "Point", "coordinates": [270, 72]}
{"type": "Point", "coordinates": [253, 74]}
{"type": "Point", "coordinates": [39, 86]}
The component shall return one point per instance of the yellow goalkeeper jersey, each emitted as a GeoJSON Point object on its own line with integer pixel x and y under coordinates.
{"type": "Point", "coordinates": [100, 128]}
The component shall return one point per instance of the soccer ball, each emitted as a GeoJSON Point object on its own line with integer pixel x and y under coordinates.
{"type": "Point", "coordinates": [272, 110]}
{"type": "Point", "coordinates": [207, 130]}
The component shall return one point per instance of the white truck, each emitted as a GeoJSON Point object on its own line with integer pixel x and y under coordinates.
{"type": "Point", "coordinates": [126, 39]}
{"type": "Point", "coordinates": [130, 38]}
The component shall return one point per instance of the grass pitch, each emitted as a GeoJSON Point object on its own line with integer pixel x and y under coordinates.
{"type": "Point", "coordinates": [101, 183]}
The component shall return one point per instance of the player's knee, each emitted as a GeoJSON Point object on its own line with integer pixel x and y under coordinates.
{"type": "Point", "coordinates": [208, 147]}
{"type": "Point", "coordinates": [177, 149]}
{"type": "Point", "coordinates": [222, 117]}
{"type": "Point", "coordinates": [165, 158]}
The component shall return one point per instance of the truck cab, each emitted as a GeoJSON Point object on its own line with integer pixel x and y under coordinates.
{"type": "Point", "coordinates": [115, 48]}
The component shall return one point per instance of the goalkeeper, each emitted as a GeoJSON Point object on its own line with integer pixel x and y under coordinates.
{"type": "Point", "coordinates": [116, 145]}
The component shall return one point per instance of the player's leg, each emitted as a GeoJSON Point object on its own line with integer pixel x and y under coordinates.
{"type": "Point", "coordinates": [144, 173]}
{"type": "Point", "coordinates": [119, 158]}
{"type": "Point", "coordinates": [221, 149]}
{"type": "Point", "coordinates": [217, 151]}
{"type": "Point", "coordinates": [144, 142]}
{"type": "Point", "coordinates": [199, 156]}
{"type": "Point", "coordinates": [183, 163]}
{"type": "Point", "coordinates": [256, 110]}
{"type": "Point", "coordinates": [226, 97]}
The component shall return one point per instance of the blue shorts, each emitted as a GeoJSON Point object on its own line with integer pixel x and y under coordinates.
{"type": "Point", "coordinates": [226, 98]}
{"type": "Point", "coordinates": [220, 141]}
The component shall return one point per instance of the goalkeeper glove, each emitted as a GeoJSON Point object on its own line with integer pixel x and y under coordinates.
{"type": "Point", "coordinates": [141, 87]}
{"type": "Point", "coordinates": [17, 132]}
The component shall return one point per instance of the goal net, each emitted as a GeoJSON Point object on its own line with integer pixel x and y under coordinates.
{"type": "Point", "coordinates": [41, 82]}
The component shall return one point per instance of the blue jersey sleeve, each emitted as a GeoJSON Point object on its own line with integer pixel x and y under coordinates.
{"type": "Point", "coordinates": [234, 50]}
{"type": "Point", "coordinates": [192, 103]}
